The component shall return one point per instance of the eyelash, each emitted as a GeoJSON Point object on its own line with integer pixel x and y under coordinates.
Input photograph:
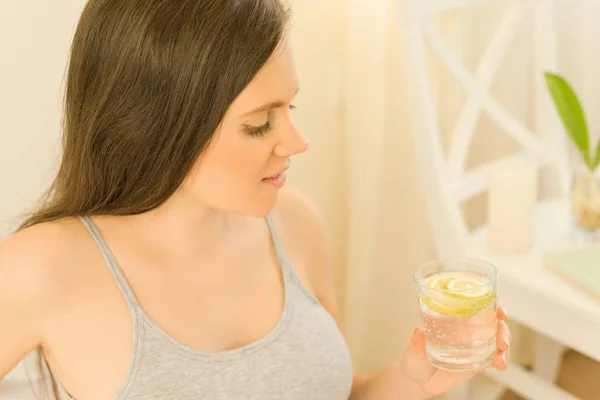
{"type": "Point", "coordinates": [264, 129]}
{"type": "Point", "coordinates": [259, 130]}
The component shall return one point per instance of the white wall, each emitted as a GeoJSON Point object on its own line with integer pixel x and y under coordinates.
{"type": "Point", "coordinates": [34, 38]}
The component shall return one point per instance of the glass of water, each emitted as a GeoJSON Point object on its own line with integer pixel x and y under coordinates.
{"type": "Point", "coordinates": [457, 299]}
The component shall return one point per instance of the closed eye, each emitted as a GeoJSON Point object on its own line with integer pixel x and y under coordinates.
{"type": "Point", "coordinates": [259, 130]}
{"type": "Point", "coordinates": [263, 129]}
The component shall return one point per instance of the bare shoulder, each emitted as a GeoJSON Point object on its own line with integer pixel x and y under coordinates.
{"type": "Point", "coordinates": [33, 263]}
{"type": "Point", "coordinates": [303, 230]}
{"type": "Point", "coordinates": [305, 238]}
{"type": "Point", "coordinates": [298, 212]}
{"type": "Point", "coordinates": [36, 282]}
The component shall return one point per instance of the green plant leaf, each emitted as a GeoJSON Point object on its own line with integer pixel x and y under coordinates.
{"type": "Point", "coordinates": [596, 160]}
{"type": "Point", "coordinates": [572, 115]}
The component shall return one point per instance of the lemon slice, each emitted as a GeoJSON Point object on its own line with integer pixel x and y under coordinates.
{"type": "Point", "coordinates": [457, 295]}
{"type": "Point", "coordinates": [468, 287]}
{"type": "Point", "coordinates": [438, 281]}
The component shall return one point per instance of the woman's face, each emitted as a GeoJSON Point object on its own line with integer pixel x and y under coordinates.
{"type": "Point", "coordinates": [244, 167]}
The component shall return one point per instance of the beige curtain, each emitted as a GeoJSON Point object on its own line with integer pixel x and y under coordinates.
{"type": "Point", "coordinates": [361, 169]}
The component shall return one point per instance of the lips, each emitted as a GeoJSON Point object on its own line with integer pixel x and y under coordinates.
{"type": "Point", "coordinates": [277, 174]}
{"type": "Point", "coordinates": [276, 181]}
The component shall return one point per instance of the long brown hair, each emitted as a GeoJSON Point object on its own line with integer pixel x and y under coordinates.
{"type": "Point", "coordinates": [148, 84]}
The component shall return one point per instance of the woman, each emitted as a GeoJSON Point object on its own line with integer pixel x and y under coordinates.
{"type": "Point", "coordinates": [167, 262]}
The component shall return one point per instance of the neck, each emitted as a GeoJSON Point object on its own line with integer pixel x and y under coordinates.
{"type": "Point", "coordinates": [184, 226]}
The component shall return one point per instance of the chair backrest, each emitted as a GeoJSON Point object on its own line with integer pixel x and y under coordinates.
{"type": "Point", "coordinates": [446, 182]}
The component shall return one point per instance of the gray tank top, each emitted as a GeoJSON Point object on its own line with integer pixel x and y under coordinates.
{"type": "Point", "coordinates": [303, 357]}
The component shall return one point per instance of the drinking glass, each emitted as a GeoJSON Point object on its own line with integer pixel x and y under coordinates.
{"type": "Point", "coordinates": [457, 300]}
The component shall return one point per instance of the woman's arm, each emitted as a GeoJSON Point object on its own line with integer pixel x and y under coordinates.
{"type": "Point", "coordinates": [31, 289]}
{"type": "Point", "coordinates": [390, 380]}
{"type": "Point", "coordinates": [20, 303]}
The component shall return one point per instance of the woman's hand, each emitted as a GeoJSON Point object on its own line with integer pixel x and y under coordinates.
{"type": "Point", "coordinates": [433, 381]}
{"type": "Point", "coordinates": [414, 378]}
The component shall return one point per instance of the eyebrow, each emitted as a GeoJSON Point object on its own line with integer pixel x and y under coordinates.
{"type": "Point", "coordinates": [274, 104]}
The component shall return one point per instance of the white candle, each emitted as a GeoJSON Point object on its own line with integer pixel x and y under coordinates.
{"type": "Point", "coordinates": [512, 196]}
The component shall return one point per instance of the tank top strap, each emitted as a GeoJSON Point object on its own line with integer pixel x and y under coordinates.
{"type": "Point", "coordinates": [286, 266]}
{"type": "Point", "coordinates": [279, 251]}
{"type": "Point", "coordinates": [113, 266]}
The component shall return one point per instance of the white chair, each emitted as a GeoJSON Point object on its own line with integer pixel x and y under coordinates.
{"type": "Point", "coordinates": [560, 315]}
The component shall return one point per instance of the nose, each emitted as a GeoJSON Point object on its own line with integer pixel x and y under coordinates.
{"type": "Point", "coordinates": [292, 142]}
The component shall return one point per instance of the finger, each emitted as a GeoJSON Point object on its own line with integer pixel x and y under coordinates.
{"type": "Point", "coordinates": [417, 339]}
{"type": "Point", "coordinates": [503, 338]}
{"type": "Point", "coordinates": [502, 313]}
{"type": "Point", "coordinates": [501, 360]}
{"type": "Point", "coordinates": [415, 355]}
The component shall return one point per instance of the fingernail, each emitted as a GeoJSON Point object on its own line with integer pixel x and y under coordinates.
{"type": "Point", "coordinates": [505, 311]}
{"type": "Point", "coordinates": [415, 332]}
